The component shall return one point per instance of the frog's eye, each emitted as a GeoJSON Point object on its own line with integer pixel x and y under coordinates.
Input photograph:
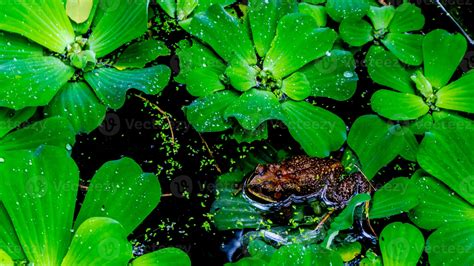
{"type": "Point", "coordinates": [260, 170]}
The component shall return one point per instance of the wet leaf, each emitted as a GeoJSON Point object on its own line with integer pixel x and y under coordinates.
{"type": "Point", "coordinates": [401, 244]}
{"type": "Point", "coordinates": [139, 54]}
{"type": "Point", "coordinates": [381, 16]}
{"type": "Point", "coordinates": [333, 76]}
{"type": "Point", "coordinates": [26, 86]}
{"type": "Point", "coordinates": [395, 197]}
{"type": "Point", "coordinates": [296, 86]}
{"type": "Point", "coordinates": [10, 119]}
{"type": "Point", "coordinates": [242, 76]}
{"type": "Point", "coordinates": [109, 32]}
{"type": "Point", "coordinates": [289, 50]}
{"type": "Point", "coordinates": [79, 10]}
{"type": "Point", "coordinates": [223, 33]}
{"type": "Point", "coordinates": [445, 154]}
{"type": "Point", "coordinates": [121, 191]}
{"type": "Point", "coordinates": [253, 108]}
{"type": "Point", "coordinates": [356, 31]}
{"type": "Point", "coordinates": [442, 53]}
{"type": "Point", "coordinates": [40, 178]}
{"type": "Point", "coordinates": [317, 130]}
{"type": "Point", "coordinates": [317, 12]}
{"type": "Point", "coordinates": [99, 241]}
{"type": "Point", "coordinates": [163, 257]}
{"type": "Point", "coordinates": [111, 85]}
{"type": "Point", "coordinates": [15, 47]}
{"type": "Point", "coordinates": [77, 103]}
{"type": "Point", "coordinates": [405, 46]}
{"type": "Point", "coordinates": [384, 69]}
{"type": "Point", "coordinates": [458, 95]}
{"type": "Point", "coordinates": [206, 114]}
{"type": "Point", "coordinates": [54, 131]}
{"type": "Point", "coordinates": [8, 239]}
{"type": "Point", "coordinates": [375, 142]}
{"type": "Point", "coordinates": [44, 22]}
{"type": "Point", "coordinates": [341, 9]}
{"type": "Point", "coordinates": [407, 17]}
{"type": "Point", "coordinates": [397, 105]}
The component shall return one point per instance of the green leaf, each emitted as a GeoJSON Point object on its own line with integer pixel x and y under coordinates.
{"type": "Point", "coordinates": [398, 106]}
{"type": "Point", "coordinates": [289, 50]}
{"type": "Point", "coordinates": [15, 47]}
{"type": "Point", "coordinates": [381, 16]}
{"type": "Point", "coordinates": [406, 47]}
{"type": "Point", "coordinates": [242, 76]}
{"type": "Point", "coordinates": [163, 257]}
{"type": "Point", "coordinates": [10, 119]}
{"type": "Point", "coordinates": [253, 108]}
{"type": "Point", "coordinates": [345, 219]}
{"type": "Point", "coordinates": [296, 86]}
{"type": "Point", "coordinates": [384, 69]}
{"type": "Point", "coordinates": [202, 82]}
{"type": "Point", "coordinates": [264, 17]}
{"type": "Point", "coordinates": [452, 244]}
{"type": "Point", "coordinates": [197, 57]}
{"type": "Point", "coordinates": [401, 244]}
{"type": "Point", "coordinates": [5, 259]}
{"type": "Point", "coordinates": [82, 28]}
{"type": "Point", "coordinates": [79, 10]}
{"type": "Point", "coordinates": [223, 33]}
{"type": "Point", "coordinates": [240, 134]}
{"type": "Point", "coordinates": [333, 76]}
{"type": "Point", "coordinates": [120, 190]}
{"type": "Point", "coordinates": [24, 84]}
{"type": "Point", "coordinates": [341, 9]}
{"type": "Point", "coordinates": [399, 195]}
{"type": "Point", "coordinates": [139, 54]}
{"type": "Point", "coordinates": [99, 241]}
{"type": "Point", "coordinates": [421, 125]}
{"type": "Point", "coordinates": [169, 6]}
{"type": "Point", "coordinates": [77, 103]}
{"type": "Point", "coordinates": [442, 53]}
{"type": "Point", "coordinates": [8, 238]}
{"type": "Point", "coordinates": [232, 210]}
{"type": "Point", "coordinates": [317, 130]}
{"type": "Point", "coordinates": [185, 7]}
{"type": "Point", "coordinates": [355, 31]}
{"type": "Point", "coordinates": [44, 22]}
{"type": "Point", "coordinates": [45, 183]}
{"type": "Point", "coordinates": [375, 142]}
{"type": "Point", "coordinates": [438, 205]}
{"type": "Point", "coordinates": [54, 131]}
{"type": "Point", "coordinates": [300, 255]}
{"type": "Point", "coordinates": [407, 17]}
{"type": "Point", "coordinates": [206, 114]}
{"type": "Point", "coordinates": [446, 153]}
{"type": "Point", "coordinates": [118, 24]}
{"type": "Point", "coordinates": [411, 145]}
{"type": "Point", "coordinates": [205, 4]}
{"type": "Point", "coordinates": [317, 12]}
{"type": "Point", "coordinates": [111, 85]}
{"type": "Point", "coordinates": [458, 95]}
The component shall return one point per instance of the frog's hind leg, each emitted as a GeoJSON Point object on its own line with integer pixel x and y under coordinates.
{"type": "Point", "coordinates": [324, 219]}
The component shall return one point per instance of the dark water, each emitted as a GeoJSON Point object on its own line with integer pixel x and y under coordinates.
{"type": "Point", "coordinates": [180, 221]}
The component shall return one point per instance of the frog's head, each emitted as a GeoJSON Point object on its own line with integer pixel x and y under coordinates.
{"type": "Point", "coordinates": [266, 183]}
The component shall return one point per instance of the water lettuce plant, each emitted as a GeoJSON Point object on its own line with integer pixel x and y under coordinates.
{"type": "Point", "coordinates": [183, 10]}
{"type": "Point", "coordinates": [248, 71]}
{"type": "Point", "coordinates": [55, 54]}
{"type": "Point", "coordinates": [417, 99]}
{"type": "Point", "coordinates": [37, 216]}
{"type": "Point", "coordinates": [390, 27]}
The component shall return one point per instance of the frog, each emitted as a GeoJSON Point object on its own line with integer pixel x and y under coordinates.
{"type": "Point", "coordinates": [301, 178]}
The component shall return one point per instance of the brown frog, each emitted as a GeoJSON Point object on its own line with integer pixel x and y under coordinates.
{"type": "Point", "coordinates": [302, 178]}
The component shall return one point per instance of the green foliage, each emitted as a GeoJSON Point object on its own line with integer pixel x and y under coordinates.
{"type": "Point", "coordinates": [401, 244]}
{"type": "Point", "coordinates": [252, 88]}
{"type": "Point", "coordinates": [390, 28]}
{"type": "Point", "coordinates": [50, 71]}
{"type": "Point", "coordinates": [40, 209]}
